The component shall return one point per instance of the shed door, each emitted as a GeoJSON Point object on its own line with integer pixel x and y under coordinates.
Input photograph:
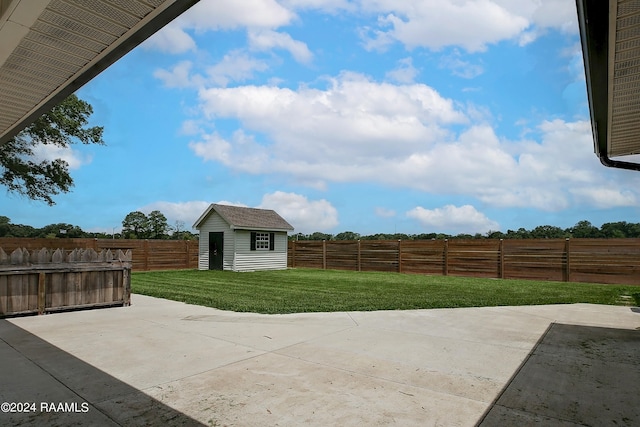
{"type": "Point", "coordinates": [216, 245]}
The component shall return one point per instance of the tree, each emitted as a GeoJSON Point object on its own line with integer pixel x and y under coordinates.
{"type": "Point", "coordinates": [347, 235]}
{"type": "Point", "coordinates": [22, 172]}
{"type": "Point", "coordinates": [426, 236]}
{"type": "Point", "coordinates": [620, 229]}
{"type": "Point", "coordinates": [547, 232]}
{"type": "Point", "coordinates": [4, 225]}
{"type": "Point", "coordinates": [522, 233]}
{"type": "Point", "coordinates": [61, 230]}
{"type": "Point", "coordinates": [135, 226]}
{"type": "Point", "coordinates": [491, 234]}
{"type": "Point", "coordinates": [319, 236]}
{"type": "Point", "coordinates": [178, 227]}
{"type": "Point", "coordinates": [158, 225]}
{"type": "Point", "coordinates": [584, 229]}
{"type": "Point", "coordinates": [179, 232]}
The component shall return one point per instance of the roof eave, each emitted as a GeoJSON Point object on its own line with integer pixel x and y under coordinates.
{"type": "Point", "coordinates": [594, 24]}
{"type": "Point", "coordinates": [204, 216]}
{"type": "Point", "coordinates": [136, 35]}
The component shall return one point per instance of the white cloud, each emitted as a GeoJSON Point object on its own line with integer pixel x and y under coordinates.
{"type": "Point", "coordinates": [328, 6]}
{"type": "Point", "coordinates": [188, 212]}
{"type": "Point", "coordinates": [358, 130]}
{"type": "Point", "coordinates": [438, 23]}
{"type": "Point", "coordinates": [190, 127]}
{"type": "Point", "coordinates": [235, 66]}
{"type": "Point", "coordinates": [215, 15]}
{"type": "Point", "coordinates": [559, 14]}
{"type": "Point", "coordinates": [269, 39]}
{"type": "Point", "coordinates": [469, 24]}
{"type": "Point", "coordinates": [48, 152]}
{"type": "Point", "coordinates": [303, 214]}
{"type": "Point", "coordinates": [453, 219]}
{"type": "Point", "coordinates": [171, 39]}
{"type": "Point", "coordinates": [603, 196]}
{"type": "Point", "coordinates": [343, 133]}
{"type": "Point", "coordinates": [384, 212]}
{"type": "Point", "coordinates": [460, 67]}
{"type": "Point", "coordinates": [405, 72]}
{"type": "Point", "coordinates": [242, 152]}
{"type": "Point", "coordinates": [226, 202]}
{"type": "Point", "coordinates": [575, 65]}
{"type": "Point", "coordinates": [209, 15]}
{"type": "Point", "coordinates": [179, 76]}
{"type": "Point", "coordinates": [434, 24]}
{"type": "Point", "coordinates": [352, 112]}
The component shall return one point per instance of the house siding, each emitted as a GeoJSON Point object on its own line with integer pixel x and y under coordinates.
{"type": "Point", "coordinates": [248, 260]}
{"type": "Point", "coordinates": [215, 223]}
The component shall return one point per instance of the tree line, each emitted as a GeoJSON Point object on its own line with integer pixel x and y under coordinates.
{"type": "Point", "coordinates": [136, 225]}
{"type": "Point", "coordinates": [582, 229]}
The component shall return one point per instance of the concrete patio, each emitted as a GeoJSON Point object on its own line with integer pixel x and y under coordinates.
{"type": "Point", "coordinates": [160, 362]}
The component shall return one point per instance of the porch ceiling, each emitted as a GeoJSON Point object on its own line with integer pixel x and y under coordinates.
{"type": "Point", "coordinates": [50, 48]}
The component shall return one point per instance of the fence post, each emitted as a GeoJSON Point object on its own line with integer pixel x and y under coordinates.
{"type": "Point", "coordinates": [359, 260]}
{"type": "Point", "coordinates": [399, 255]}
{"type": "Point", "coordinates": [293, 254]}
{"type": "Point", "coordinates": [324, 254]}
{"type": "Point", "coordinates": [445, 267]}
{"type": "Point", "coordinates": [195, 243]}
{"type": "Point", "coordinates": [501, 258]}
{"type": "Point", "coordinates": [145, 250]}
{"type": "Point", "coordinates": [41, 292]}
{"type": "Point", "coordinates": [186, 254]}
{"type": "Point", "coordinates": [567, 265]}
{"type": "Point", "coordinates": [126, 287]}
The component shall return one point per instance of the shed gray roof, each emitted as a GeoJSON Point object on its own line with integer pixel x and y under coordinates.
{"type": "Point", "coordinates": [247, 218]}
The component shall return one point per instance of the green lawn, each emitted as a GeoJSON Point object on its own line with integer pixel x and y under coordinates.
{"type": "Point", "coordinates": [308, 290]}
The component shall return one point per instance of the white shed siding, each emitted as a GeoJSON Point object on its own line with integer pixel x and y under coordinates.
{"type": "Point", "coordinates": [215, 223]}
{"type": "Point", "coordinates": [248, 260]}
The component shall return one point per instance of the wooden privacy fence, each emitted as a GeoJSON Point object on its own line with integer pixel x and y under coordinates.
{"type": "Point", "coordinates": [147, 254]}
{"type": "Point", "coordinates": [615, 261]}
{"type": "Point", "coordinates": [46, 280]}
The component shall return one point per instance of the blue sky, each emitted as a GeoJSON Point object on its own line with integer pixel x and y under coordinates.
{"type": "Point", "coordinates": [410, 116]}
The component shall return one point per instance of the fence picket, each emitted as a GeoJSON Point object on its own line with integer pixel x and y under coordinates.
{"type": "Point", "coordinates": [144, 254]}
{"type": "Point", "coordinates": [57, 256]}
{"type": "Point", "coordinates": [17, 257]}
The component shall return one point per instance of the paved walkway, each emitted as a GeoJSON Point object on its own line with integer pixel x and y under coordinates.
{"type": "Point", "coordinates": [160, 362]}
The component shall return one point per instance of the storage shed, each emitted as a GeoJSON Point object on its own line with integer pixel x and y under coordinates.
{"type": "Point", "coordinates": [242, 239]}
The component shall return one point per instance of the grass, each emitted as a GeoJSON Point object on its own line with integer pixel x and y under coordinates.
{"type": "Point", "coordinates": [308, 290]}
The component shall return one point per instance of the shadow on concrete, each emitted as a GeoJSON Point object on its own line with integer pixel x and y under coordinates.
{"type": "Point", "coordinates": [575, 375]}
{"type": "Point", "coordinates": [49, 386]}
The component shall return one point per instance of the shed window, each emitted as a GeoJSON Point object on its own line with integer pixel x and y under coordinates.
{"type": "Point", "coordinates": [262, 241]}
